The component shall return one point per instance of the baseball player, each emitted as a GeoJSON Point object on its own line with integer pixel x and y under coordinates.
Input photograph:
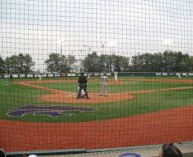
{"type": "Point", "coordinates": [104, 80]}
{"type": "Point", "coordinates": [115, 75]}
{"type": "Point", "coordinates": [11, 77]}
{"type": "Point", "coordinates": [40, 77]}
{"type": "Point", "coordinates": [82, 81]}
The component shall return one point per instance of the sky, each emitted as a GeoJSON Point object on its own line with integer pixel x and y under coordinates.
{"type": "Point", "coordinates": [78, 27]}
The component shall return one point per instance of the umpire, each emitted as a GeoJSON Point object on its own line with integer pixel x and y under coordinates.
{"type": "Point", "coordinates": [82, 81]}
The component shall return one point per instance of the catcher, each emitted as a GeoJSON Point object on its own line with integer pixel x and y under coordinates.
{"type": "Point", "coordinates": [82, 93]}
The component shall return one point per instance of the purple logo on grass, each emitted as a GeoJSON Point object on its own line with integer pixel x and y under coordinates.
{"type": "Point", "coordinates": [47, 110]}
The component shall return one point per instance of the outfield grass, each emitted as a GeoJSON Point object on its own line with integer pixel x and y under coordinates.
{"type": "Point", "coordinates": [13, 95]}
{"type": "Point", "coordinates": [130, 85]}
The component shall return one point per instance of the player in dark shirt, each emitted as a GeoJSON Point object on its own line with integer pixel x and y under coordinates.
{"type": "Point", "coordinates": [11, 77]}
{"type": "Point", "coordinates": [82, 81]}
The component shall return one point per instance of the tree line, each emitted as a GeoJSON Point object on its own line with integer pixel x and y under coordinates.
{"type": "Point", "coordinates": [168, 61]}
{"type": "Point", "coordinates": [21, 63]}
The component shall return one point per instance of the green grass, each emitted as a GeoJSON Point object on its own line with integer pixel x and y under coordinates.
{"type": "Point", "coordinates": [14, 95]}
{"type": "Point", "coordinates": [129, 86]}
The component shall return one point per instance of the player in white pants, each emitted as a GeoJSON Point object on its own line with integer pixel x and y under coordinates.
{"type": "Point", "coordinates": [40, 77]}
{"type": "Point", "coordinates": [115, 75]}
{"type": "Point", "coordinates": [104, 80]}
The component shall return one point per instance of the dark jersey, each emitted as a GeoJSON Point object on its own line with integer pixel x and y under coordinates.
{"type": "Point", "coordinates": [82, 79]}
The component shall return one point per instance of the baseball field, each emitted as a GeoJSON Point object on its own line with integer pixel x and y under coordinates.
{"type": "Point", "coordinates": [45, 115]}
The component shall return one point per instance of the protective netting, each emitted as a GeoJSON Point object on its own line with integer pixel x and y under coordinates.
{"type": "Point", "coordinates": [136, 56]}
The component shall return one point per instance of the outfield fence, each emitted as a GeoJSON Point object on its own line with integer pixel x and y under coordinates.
{"type": "Point", "coordinates": [50, 75]}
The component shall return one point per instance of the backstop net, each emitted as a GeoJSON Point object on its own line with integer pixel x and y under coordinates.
{"type": "Point", "coordinates": [95, 74]}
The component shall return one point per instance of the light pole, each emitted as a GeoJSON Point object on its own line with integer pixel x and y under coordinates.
{"type": "Point", "coordinates": [62, 59]}
{"type": "Point", "coordinates": [83, 54]}
{"type": "Point", "coordinates": [168, 43]}
{"type": "Point", "coordinates": [85, 49]}
{"type": "Point", "coordinates": [103, 47]}
{"type": "Point", "coordinates": [81, 61]}
{"type": "Point", "coordinates": [104, 69]}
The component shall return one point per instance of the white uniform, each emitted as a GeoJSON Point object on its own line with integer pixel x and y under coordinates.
{"type": "Point", "coordinates": [40, 77]}
{"type": "Point", "coordinates": [115, 75]}
{"type": "Point", "coordinates": [104, 85]}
